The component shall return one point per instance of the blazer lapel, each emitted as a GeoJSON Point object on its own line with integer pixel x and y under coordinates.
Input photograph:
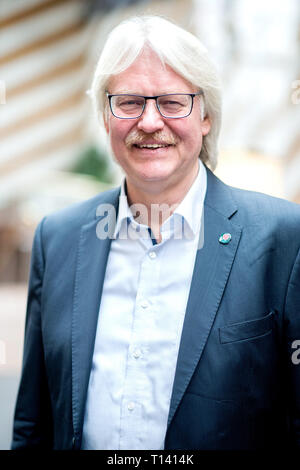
{"type": "Point", "coordinates": [90, 271]}
{"type": "Point", "coordinates": [212, 267]}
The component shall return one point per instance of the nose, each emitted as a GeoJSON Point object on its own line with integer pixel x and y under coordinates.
{"type": "Point", "coordinates": [151, 120]}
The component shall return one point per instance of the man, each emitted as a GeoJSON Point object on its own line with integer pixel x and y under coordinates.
{"type": "Point", "coordinates": [176, 327]}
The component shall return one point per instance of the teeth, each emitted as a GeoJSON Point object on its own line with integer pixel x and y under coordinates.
{"type": "Point", "coordinates": [152, 146]}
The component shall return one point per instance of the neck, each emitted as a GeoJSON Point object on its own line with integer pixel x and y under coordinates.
{"type": "Point", "coordinates": [152, 207]}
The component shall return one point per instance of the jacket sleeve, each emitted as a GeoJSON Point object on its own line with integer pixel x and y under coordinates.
{"type": "Point", "coordinates": [292, 328]}
{"type": "Point", "coordinates": [33, 419]}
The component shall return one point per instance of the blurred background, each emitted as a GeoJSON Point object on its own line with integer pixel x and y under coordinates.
{"type": "Point", "coordinates": [53, 153]}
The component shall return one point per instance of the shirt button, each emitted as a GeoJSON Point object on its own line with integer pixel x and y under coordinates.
{"type": "Point", "coordinates": [137, 353]}
{"type": "Point", "coordinates": [152, 255]}
{"type": "Point", "coordinates": [144, 304]}
{"type": "Point", "coordinates": [130, 406]}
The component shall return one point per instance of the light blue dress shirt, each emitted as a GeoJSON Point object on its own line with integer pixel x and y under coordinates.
{"type": "Point", "coordinates": [141, 315]}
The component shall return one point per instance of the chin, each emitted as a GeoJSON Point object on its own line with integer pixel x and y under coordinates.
{"type": "Point", "coordinates": [153, 176]}
{"type": "Point", "coordinates": [155, 171]}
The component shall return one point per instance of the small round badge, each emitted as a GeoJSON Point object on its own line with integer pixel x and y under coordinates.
{"type": "Point", "coordinates": [225, 238]}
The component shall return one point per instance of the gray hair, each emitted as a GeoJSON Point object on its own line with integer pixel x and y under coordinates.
{"type": "Point", "coordinates": [176, 47]}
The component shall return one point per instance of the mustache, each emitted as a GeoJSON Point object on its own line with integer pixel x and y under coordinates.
{"type": "Point", "coordinates": [138, 137]}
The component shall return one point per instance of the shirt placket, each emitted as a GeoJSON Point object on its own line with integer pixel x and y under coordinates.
{"type": "Point", "coordinates": [137, 389]}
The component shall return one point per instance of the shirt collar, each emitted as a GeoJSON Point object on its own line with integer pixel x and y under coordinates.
{"type": "Point", "coordinates": [124, 212]}
{"type": "Point", "coordinates": [190, 208]}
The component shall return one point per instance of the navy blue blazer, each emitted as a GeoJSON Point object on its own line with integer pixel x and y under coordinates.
{"type": "Point", "coordinates": [236, 385]}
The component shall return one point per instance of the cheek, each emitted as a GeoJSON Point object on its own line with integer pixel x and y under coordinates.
{"type": "Point", "coordinates": [118, 132]}
{"type": "Point", "coordinates": [188, 130]}
{"type": "Point", "coordinates": [191, 139]}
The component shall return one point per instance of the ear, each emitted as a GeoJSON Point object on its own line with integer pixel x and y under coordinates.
{"type": "Point", "coordinates": [205, 126]}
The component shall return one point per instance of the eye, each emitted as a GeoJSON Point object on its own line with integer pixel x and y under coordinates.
{"type": "Point", "coordinates": [174, 105]}
{"type": "Point", "coordinates": [169, 102]}
{"type": "Point", "coordinates": [129, 102]}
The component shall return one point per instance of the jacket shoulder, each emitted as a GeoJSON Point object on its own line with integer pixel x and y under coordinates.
{"type": "Point", "coordinates": [267, 206]}
{"type": "Point", "coordinates": [72, 217]}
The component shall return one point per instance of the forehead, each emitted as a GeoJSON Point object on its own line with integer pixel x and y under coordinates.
{"type": "Point", "coordinates": [148, 75]}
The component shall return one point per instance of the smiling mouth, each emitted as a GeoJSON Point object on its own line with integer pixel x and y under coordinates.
{"type": "Point", "coordinates": [152, 146]}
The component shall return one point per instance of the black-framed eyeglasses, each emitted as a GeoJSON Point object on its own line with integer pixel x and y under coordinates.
{"type": "Point", "coordinates": [170, 105]}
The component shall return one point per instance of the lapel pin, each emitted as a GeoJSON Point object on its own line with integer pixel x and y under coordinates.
{"type": "Point", "coordinates": [225, 238]}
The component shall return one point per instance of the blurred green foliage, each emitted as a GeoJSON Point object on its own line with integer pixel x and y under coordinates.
{"type": "Point", "coordinates": [93, 162]}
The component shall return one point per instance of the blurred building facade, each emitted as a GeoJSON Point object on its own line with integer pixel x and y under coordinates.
{"type": "Point", "coordinates": [48, 51]}
{"type": "Point", "coordinates": [43, 63]}
{"type": "Point", "coordinates": [256, 45]}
